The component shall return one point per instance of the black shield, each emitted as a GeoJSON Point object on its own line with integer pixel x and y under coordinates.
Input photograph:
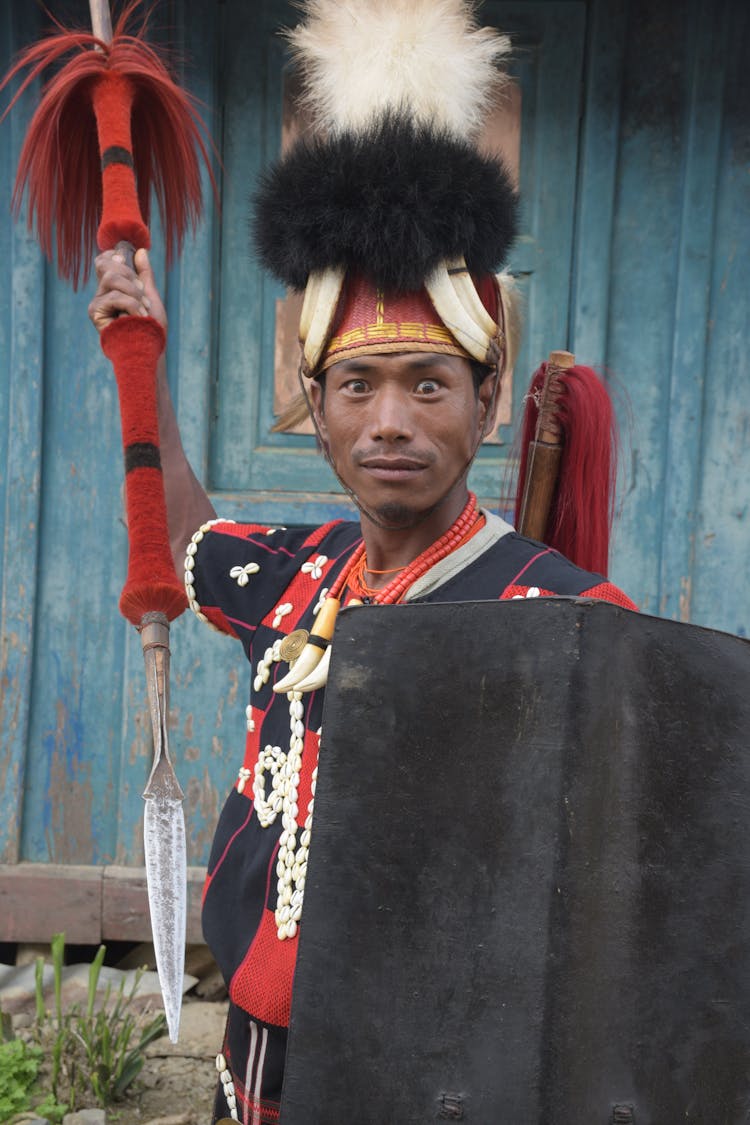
{"type": "Point", "coordinates": [528, 896]}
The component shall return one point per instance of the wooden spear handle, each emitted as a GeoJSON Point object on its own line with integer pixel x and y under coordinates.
{"type": "Point", "coordinates": [544, 454]}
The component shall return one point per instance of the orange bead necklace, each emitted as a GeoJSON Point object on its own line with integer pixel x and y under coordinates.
{"type": "Point", "coordinates": [467, 525]}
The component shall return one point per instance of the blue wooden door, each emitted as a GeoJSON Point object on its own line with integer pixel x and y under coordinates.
{"type": "Point", "coordinates": [225, 392]}
{"type": "Point", "coordinates": [81, 759]}
{"type": "Point", "coordinates": [254, 474]}
{"type": "Point", "coordinates": [280, 476]}
{"type": "Point", "coordinates": [634, 253]}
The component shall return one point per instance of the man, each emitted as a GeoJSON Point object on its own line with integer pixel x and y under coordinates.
{"type": "Point", "coordinates": [402, 429]}
{"type": "Point", "coordinates": [404, 343]}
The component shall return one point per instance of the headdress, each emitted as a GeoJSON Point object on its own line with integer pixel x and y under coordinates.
{"type": "Point", "coordinates": [388, 216]}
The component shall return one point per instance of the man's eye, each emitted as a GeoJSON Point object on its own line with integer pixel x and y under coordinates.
{"type": "Point", "coordinates": [357, 386]}
{"type": "Point", "coordinates": [427, 387]}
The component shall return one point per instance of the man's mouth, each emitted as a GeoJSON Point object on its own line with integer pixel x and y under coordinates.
{"type": "Point", "coordinates": [392, 468]}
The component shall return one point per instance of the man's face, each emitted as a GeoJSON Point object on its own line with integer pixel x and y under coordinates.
{"type": "Point", "coordinates": [402, 429]}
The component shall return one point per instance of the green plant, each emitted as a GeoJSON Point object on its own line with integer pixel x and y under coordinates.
{"type": "Point", "coordinates": [51, 1109]}
{"type": "Point", "coordinates": [19, 1066]}
{"type": "Point", "coordinates": [95, 1053]}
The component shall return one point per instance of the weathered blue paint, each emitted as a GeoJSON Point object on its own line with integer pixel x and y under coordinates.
{"type": "Point", "coordinates": [635, 255]}
{"type": "Point", "coordinates": [591, 275]}
{"type": "Point", "coordinates": [548, 53]}
{"type": "Point", "coordinates": [682, 454]}
{"type": "Point", "coordinates": [21, 378]}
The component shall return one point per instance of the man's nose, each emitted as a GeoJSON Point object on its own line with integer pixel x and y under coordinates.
{"type": "Point", "coordinates": [391, 416]}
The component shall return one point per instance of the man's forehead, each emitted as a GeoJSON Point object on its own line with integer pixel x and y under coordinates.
{"type": "Point", "coordinates": [403, 361]}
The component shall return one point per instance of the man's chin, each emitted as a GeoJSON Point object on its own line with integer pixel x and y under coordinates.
{"type": "Point", "coordinates": [397, 515]}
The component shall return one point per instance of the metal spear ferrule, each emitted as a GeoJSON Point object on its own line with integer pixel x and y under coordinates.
{"type": "Point", "coordinates": [154, 632]}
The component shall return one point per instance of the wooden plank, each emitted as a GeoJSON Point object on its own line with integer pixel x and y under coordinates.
{"type": "Point", "coordinates": [721, 578]}
{"type": "Point", "coordinates": [191, 288]}
{"type": "Point", "coordinates": [21, 358]}
{"type": "Point", "coordinates": [597, 188]}
{"type": "Point", "coordinates": [645, 240]}
{"type": "Point", "coordinates": [244, 70]}
{"type": "Point", "coordinates": [73, 769]}
{"type": "Point", "coordinates": [684, 448]}
{"type": "Point", "coordinates": [125, 915]}
{"type": "Point", "coordinates": [90, 904]}
{"type": "Point", "coordinates": [39, 900]}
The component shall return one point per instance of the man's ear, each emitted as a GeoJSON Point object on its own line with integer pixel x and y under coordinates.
{"type": "Point", "coordinates": [489, 395]}
{"type": "Point", "coordinates": [317, 400]}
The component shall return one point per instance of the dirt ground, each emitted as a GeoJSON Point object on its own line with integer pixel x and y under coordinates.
{"type": "Point", "coordinates": [178, 1080]}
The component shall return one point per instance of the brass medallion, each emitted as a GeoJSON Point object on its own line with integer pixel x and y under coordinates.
{"type": "Point", "coordinates": [292, 645]}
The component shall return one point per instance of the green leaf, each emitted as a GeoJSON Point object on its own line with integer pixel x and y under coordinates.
{"type": "Point", "coordinates": [58, 954]}
{"type": "Point", "coordinates": [130, 1071]}
{"type": "Point", "coordinates": [39, 990]}
{"type": "Point", "coordinates": [94, 970]}
{"type": "Point", "coordinates": [154, 1030]}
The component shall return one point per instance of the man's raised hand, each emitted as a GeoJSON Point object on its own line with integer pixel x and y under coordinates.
{"type": "Point", "coordinates": [123, 291]}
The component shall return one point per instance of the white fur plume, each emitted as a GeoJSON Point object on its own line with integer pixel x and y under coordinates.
{"type": "Point", "coordinates": [361, 58]}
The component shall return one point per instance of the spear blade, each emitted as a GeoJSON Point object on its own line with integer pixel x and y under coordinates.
{"type": "Point", "coordinates": [164, 830]}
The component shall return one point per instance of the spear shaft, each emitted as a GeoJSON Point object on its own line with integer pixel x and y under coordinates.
{"type": "Point", "coordinates": [163, 818]}
{"type": "Point", "coordinates": [101, 20]}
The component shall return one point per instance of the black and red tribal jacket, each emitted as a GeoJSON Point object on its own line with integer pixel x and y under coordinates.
{"type": "Point", "coordinates": [258, 585]}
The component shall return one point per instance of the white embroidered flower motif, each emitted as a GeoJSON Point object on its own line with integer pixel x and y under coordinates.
{"type": "Point", "coordinates": [532, 592]}
{"type": "Point", "coordinates": [242, 573]}
{"type": "Point", "coordinates": [321, 599]}
{"type": "Point", "coordinates": [281, 612]}
{"type": "Point", "coordinates": [315, 567]}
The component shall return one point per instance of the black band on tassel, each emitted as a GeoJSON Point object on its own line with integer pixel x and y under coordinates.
{"type": "Point", "coordinates": [115, 154]}
{"type": "Point", "coordinates": [142, 455]}
{"type": "Point", "coordinates": [319, 642]}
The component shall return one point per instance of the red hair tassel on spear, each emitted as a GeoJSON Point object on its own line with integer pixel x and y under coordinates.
{"type": "Point", "coordinates": [111, 128]}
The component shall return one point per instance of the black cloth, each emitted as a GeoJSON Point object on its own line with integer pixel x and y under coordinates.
{"type": "Point", "coordinates": [260, 585]}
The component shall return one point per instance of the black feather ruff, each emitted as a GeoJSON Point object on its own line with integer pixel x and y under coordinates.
{"type": "Point", "coordinates": [390, 203]}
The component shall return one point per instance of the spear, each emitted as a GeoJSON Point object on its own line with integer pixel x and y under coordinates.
{"type": "Point", "coordinates": [79, 167]}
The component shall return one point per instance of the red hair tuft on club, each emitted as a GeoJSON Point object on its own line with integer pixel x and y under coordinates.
{"type": "Point", "coordinates": [580, 519]}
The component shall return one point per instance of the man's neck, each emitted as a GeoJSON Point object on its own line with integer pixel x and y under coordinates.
{"type": "Point", "coordinates": [393, 549]}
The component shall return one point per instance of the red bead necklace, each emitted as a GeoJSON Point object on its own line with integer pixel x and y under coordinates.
{"type": "Point", "coordinates": [467, 524]}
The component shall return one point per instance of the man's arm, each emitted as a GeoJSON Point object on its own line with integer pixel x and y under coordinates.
{"type": "Point", "coordinates": [122, 292]}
